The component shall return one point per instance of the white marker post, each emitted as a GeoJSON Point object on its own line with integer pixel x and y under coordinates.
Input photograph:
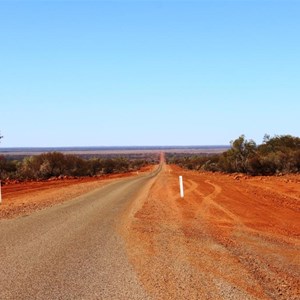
{"type": "Point", "coordinates": [181, 187]}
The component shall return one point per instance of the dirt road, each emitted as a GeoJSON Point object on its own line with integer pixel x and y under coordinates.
{"type": "Point", "coordinates": [231, 237]}
{"type": "Point", "coordinates": [72, 250]}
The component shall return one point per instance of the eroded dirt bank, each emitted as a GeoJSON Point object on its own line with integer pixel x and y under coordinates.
{"type": "Point", "coordinates": [231, 237]}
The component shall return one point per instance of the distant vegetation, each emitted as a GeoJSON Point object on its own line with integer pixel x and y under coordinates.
{"type": "Point", "coordinates": [56, 164]}
{"type": "Point", "coordinates": [279, 154]}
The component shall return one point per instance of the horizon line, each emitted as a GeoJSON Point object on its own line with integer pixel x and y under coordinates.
{"type": "Point", "coordinates": [111, 146]}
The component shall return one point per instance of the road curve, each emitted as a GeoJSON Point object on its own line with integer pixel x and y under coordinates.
{"type": "Point", "coordinates": [72, 251]}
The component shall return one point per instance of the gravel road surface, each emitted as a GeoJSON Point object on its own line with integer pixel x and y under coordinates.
{"type": "Point", "coordinates": [72, 250]}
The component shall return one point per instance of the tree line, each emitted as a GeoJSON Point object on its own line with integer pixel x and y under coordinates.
{"type": "Point", "coordinates": [276, 155]}
{"type": "Point", "coordinates": [56, 164]}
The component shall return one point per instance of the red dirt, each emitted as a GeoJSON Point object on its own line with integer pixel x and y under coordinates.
{"type": "Point", "coordinates": [19, 199]}
{"type": "Point", "coordinates": [231, 237]}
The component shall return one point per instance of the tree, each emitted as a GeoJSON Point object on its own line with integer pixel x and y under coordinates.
{"type": "Point", "coordinates": [240, 153]}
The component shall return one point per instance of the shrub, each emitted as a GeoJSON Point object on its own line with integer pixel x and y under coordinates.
{"type": "Point", "coordinates": [54, 164]}
{"type": "Point", "coordinates": [7, 167]}
{"type": "Point", "coordinates": [280, 154]}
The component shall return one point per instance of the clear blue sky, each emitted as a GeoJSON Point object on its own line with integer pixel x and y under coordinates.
{"type": "Point", "coordinates": [96, 73]}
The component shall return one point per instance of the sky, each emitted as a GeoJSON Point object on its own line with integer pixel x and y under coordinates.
{"type": "Point", "coordinates": [125, 73]}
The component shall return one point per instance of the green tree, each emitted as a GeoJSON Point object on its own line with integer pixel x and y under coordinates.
{"type": "Point", "coordinates": [237, 158]}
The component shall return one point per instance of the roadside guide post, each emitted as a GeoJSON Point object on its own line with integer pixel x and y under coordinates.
{"type": "Point", "coordinates": [181, 187]}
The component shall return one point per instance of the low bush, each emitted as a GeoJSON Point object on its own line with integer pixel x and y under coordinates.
{"type": "Point", "coordinates": [56, 164]}
{"type": "Point", "coordinates": [280, 154]}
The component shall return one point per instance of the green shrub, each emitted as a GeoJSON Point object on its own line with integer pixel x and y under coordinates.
{"type": "Point", "coordinates": [280, 154]}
